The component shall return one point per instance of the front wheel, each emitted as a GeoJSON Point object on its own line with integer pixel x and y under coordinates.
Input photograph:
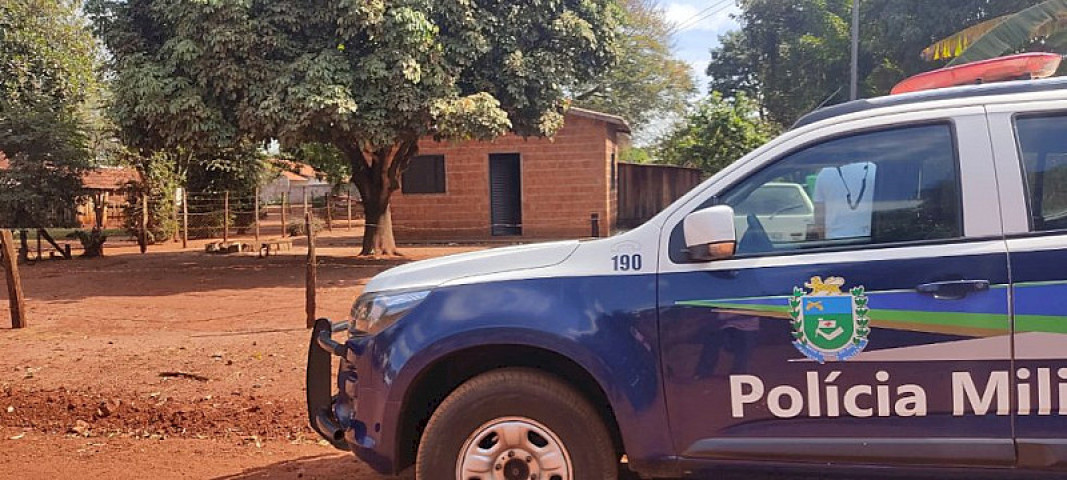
{"type": "Point", "coordinates": [516, 424]}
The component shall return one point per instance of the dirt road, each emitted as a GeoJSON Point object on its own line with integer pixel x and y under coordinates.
{"type": "Point", "coordinates": [174, 364]}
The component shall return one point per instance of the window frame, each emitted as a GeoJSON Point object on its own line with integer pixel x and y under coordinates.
{"type": "Point", "coordinates": [444, 176]}
{"type": "Point", "coordinates": [1021, 159]}
{"type": "Point", "coordinates": [678, 256]}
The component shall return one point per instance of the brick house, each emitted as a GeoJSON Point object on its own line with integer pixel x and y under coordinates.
{"type": "Point", "coordinates": [514, 186]}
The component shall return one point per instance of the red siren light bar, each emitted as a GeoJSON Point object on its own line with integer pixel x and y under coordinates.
{"type": "Point", "coordinates": [1011, 67]}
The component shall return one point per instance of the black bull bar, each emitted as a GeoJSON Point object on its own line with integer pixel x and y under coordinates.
{"type": "Point", "coordinates": [320, 399]}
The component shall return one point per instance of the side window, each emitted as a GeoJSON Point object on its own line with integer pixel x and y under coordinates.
{"type": "Point", "coordinates": [1043, 148]}
{"type": "Point", "coordinates": [425, 174]}
{"type": "Point", "coordinates": [881, 187]}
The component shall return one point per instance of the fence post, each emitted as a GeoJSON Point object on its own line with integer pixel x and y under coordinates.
{"type": "Point", "coordinates": [185, 218]}
{"type": "Point", "coordinates": [14, 282]}
{"type": "Point", "coordinates": [329, 213]}
{"type": "Point", "coordinates": [257, 217]}
{"type": "Point", "coordinates": [285, 207]}
{"type": "Point", "coordinates": [305, 192]}
{"type": "Point", "coordinates": [143, 240]}
{"type": "Point", "coordinates": [226, 217]}
{"type": "Point", "coordinates": [350, 208]}
{"type": "Point", "coordinates": [312, 277]}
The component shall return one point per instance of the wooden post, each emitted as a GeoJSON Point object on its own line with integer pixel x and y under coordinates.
{"type": "Point", "coordinates": [144, 222]}
{"type": "Point", "coordinates": [349, 208]}
{"type": "Point", "coordinates": [226, 217]}
{"type": "Point", "coordinates": [257, 217]}
{"type": "Point", "coordinates": [304, 190]}
{"type": "Point", "coordinates": [329, 213]}
{"type": "Point", "coordinates": [312, 279]}
{"type": "Point", "coordinates": [174, 237]}
{"type": "Point", "coordinates": [285, 208]}
{"type": "Point", "coordinates": [38, 245]}
{"type": "Point", "coordinates": [185, 218]}
{"type": "Point", "coordinates": [14, 283]}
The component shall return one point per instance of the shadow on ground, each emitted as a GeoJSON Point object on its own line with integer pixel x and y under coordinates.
{"type": "Point", "coordinates": [328, 466]}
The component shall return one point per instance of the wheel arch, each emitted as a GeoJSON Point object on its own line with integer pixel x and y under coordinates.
{"type": "Point", "coordinates": [432, 384]}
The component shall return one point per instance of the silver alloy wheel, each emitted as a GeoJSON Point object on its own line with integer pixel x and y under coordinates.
{"type": "Point", "coordinates": [513, 448]}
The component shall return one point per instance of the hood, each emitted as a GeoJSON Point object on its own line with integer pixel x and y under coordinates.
{"type": "Point", "coordinates": [433, 272]}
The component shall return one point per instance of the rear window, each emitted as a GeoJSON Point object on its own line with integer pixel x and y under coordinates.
{"type": "Point", "coordinates": [1043, 150]}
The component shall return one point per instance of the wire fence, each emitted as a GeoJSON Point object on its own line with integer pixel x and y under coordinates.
{"type": "Point", "coordinates": [221, 215]}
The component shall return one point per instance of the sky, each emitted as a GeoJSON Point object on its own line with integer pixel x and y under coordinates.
{"type": "Point", "coordinates": [699, 24]}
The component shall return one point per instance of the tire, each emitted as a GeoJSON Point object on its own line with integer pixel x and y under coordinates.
{"type": "Point", "coordinates": [478, 432]}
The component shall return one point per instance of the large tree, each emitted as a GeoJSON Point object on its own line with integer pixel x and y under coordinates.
{"type": "Point", "coordinates": [369, 78]}
{"type": "Point", "coordinates": [794, 56]}
{"type": "Point", "coordinates": [648, 82]}
{"type": "Point", "coordinates": [46, 57]}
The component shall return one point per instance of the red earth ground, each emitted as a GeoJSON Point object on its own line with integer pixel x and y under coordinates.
{"type": "Point", "coordinates": [173, 364]}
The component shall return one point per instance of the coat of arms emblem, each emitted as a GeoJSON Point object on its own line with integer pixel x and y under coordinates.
{"type": "Point", "coordinates": [828, 324]}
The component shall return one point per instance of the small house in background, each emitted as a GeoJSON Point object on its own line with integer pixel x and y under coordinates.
{"type": "Point", "coordinates": [106, 189]}
{"type": "Point", "coordinates": [514, 187]}
{"type": "Point", "coordinates": [294, 179]}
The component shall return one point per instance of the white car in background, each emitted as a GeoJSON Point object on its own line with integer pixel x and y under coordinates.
{"type": "Point", "coordinates": [784, 209]}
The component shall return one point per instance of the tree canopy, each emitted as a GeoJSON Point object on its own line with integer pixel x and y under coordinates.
{"type": "Point", "coordinates": [47, 55]}
{"type": "Point", "coordinates": [648, 82]}
{"type": "Point", "coordinates": [368, 78]}
{"type": "Point", "coordinates": [794, 56]}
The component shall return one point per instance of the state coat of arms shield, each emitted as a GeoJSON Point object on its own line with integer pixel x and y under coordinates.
{"type": "Point", "coordinates": [828, 324]}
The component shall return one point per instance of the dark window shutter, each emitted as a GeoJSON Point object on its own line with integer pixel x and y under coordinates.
{"type": "Point", "coordinates": [425, 174]}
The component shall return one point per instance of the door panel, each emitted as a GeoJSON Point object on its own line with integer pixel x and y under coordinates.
{"type": "Point", "coordinates": [885, 327]}
{"type": "Point", "coordinates": [1039, 273]}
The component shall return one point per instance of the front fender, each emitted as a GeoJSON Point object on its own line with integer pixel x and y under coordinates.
{"type": "Point", "coordinates": [606, 325]}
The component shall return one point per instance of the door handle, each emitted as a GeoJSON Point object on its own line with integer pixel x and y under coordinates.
{"type": "Point", "coordinates": [953, 289]}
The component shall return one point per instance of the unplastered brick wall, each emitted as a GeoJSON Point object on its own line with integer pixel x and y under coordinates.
{"type": "Point", "coordinates": [564, 180]}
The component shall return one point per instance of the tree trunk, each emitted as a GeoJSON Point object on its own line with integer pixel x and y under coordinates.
{"type": "Point", "coordinates": [376, 174]}
{"type": "Point", "coordinates": [378, 236]}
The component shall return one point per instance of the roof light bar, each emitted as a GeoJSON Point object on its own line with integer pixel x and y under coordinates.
{"type": "Point", "coordinates": [1011, 67]}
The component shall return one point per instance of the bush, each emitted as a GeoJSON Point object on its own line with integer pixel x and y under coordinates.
{"type": "Point", "coordinates": [296, 229]}
{"type": "Point", "coordinates": [92, 242]}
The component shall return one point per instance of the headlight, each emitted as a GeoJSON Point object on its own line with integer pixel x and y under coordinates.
{"type": "Point", "coordinates": [375, 312]}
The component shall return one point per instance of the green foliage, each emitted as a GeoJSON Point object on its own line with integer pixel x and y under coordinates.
{"type": "Point", "coordinates": [160, 182]}
{"type": "Point", "coordinates": [46, 52]}
{"type": "Point", "coordinates": [647, 83]}
{"type": "Point", "coordinates": [718, 132]}
{"type": "Point", "coordinates": [794, 56]}
{"type": "Point", "coordinates": [368, 77]}
{"type": "Point", "coordinates": [48, 156]}
{"type": "Point", "coordinates": [323, 158]}
{"type": "Point", "coordinates": [47, 58]}
{"type": "Point", "coordinates": [633, 154]}
{"type": "Point", "coordinates": [1045, 19]}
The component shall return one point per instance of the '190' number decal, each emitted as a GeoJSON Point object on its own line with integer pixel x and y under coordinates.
{"type": "Point", "coordinates": [625, 263]}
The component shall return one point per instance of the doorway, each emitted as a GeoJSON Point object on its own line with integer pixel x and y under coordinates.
{"type": "Point", "coordinates": [505, 194]}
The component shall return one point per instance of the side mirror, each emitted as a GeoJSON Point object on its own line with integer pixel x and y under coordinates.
{"type": "Point", "coordinates": [710, 234]}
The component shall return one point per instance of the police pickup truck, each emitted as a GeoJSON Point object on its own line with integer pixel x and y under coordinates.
{"type": "Point", "coordinates": [917, 319]}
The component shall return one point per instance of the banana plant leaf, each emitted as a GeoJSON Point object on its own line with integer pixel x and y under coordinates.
{"type": "Point", "coordinates": [955, 44]}
{"type": "Point", "coordinates": [1042, 20]}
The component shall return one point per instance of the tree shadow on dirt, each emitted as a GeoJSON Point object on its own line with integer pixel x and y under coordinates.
{"type": "Point", "coordinates": [328, 466]}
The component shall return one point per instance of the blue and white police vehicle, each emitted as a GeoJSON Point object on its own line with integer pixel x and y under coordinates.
{"type": "Point", "coordinates": [885, 284]}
